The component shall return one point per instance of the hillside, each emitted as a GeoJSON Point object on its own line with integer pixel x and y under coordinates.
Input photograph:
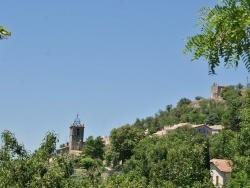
{"type": "Point", "coordinates": [209, 111]}
{"type": "Point", "coordinates": [181, 158]}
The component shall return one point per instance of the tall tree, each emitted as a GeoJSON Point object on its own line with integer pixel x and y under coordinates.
{"type": "Point", "coordinates": [222, 145]}
{"type": "Point", "coordinates": [94, 148]}
{"type": "Point", "coordinates": [169, 107]}
{"type": "Point", "coordinates": [241, 166]}
{"type": "Point", "coordinates": [122, 142]}
{"type": "Point", "coordinates": [224, 35]}
{"type": "Point", "coordinates": [230, 118]}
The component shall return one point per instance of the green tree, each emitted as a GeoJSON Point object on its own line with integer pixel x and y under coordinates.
{"type": "Point", "coordinates": [212, 119]}
{"type": "Point", "coordinates": [130, 179]}
{"type": "Point", "coordinates": [138, 124]}
{"type": "Point", "coordinates": [239, 87]}
{"type": "Point", "coordinates": [94, 148]}
{"type": "Point", "coordinates": [241, 160]}
{"type": "Point", "coordinates": [224, 35]}
{"type": "Point", "coordinates": [240, 180]}
{"type": "Point", "coordinates": [92, 170]}
{"type": "Point", "coordinates": [122, 142]}
{"type": "Point", "coordinates": [169, 107]}
{"type": "Point", "coordinates": [19, 168]}
{"type": "Point", "coordinates": [183, 101]}
{"type": "Point", "coordinates": [199, 98]}
{"type": "Point", "coordinates": [244, 114]}
{"type": "Point", "coordinates": [179, 159]}
{"type": "Point", "coordinates": [230, 118]}
{"type": "Point", "coordinates": [230, 93]}
{"type": "Point", "coordinates": [222, 145]}
{"type": "Point", "coordinates": [154, 126]}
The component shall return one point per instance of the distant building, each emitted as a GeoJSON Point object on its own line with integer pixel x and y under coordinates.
{"type": "Point", "coordinates": [220, 170]}
{"type": "Point", "coordinates": [76, 136]}
{"type": "Point", "coordinates": [216, 128]}
{"type": "Point", "coordinates": [168, 128]}
{"type": "Point", "coordinates": [216, 91]}
{"type": "Point", "coordinates": [202, 128]}
{"type": "Point", "coordinates": [106, 142]}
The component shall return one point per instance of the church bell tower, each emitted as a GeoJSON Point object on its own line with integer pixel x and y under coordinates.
{"type": "Point", "coordinates": [76, 135]}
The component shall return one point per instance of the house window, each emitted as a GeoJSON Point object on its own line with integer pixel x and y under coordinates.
{"type": "Point", "coordinates": [77, 132]}
{"type": "Point", "coordinates": [217, 180]}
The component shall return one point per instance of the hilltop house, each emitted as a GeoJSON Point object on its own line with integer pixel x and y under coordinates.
{"type": "Point", "coordinates": [202, 128]}
{"type": "Point", "coordinates": [216, 128]}
{"type": "Point", "coordinates": [220, 170]}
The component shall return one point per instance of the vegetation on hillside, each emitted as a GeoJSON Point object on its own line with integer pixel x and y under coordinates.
{"type": "Point", "coordinates": [178, 159]}
{"type": "Point", "coordinates": [134, 159]}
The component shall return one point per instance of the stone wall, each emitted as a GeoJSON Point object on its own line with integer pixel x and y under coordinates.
{"type": "Point", "coordinates": [216, 90]}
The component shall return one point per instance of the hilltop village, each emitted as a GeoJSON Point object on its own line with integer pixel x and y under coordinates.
{"type": "Point", "coordinates": [220, 168]}
{"type": "Point", "coordinates": [200, 143]}
{"type": "Point", "coordinates": [76, 134]}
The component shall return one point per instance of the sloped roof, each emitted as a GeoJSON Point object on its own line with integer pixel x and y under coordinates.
{"type": "Point", "coordinates": [169, 128]}
{"type": "Point", "coordinates": [222, 164]}
{"type": "Point", "coordinates": [201, 125]}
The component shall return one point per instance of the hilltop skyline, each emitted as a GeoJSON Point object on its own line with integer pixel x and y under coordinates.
{"type": "Point", "coordinates": [108, 61]}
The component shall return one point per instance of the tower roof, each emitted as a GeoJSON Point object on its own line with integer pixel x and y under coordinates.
{"type": "Point", "coordinates": [77, 121]}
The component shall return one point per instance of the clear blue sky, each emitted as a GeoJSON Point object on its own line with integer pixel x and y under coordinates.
{"type": "Point", "coordinates": [111, 61]}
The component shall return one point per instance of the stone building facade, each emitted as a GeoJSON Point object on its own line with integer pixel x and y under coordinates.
{"type": "Point", "coordinates": [216, 90]}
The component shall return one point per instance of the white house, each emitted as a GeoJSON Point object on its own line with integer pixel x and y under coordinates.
{"type": "Point", "coordinates": [202, 128]}
{"type": "Point", "coordinates": [216, 128]}
{"type": "Point", "coordinates": [220, 170]}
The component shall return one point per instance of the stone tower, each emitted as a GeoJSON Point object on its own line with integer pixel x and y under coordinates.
{"type": "Point", "coordinates": [76, 135]}
{"type": "Point", "coordinates": [216, 90]}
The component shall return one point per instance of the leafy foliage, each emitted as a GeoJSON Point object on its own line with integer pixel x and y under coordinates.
{"type": "Point", "coordinates": [224, 35]}
{"type": "Point", "coordinates": [130, 179]}
{"type": "Point", "coordinates": [222, 145]}
{"type": "Point", "coordinates": [93, 148]}
{"type": "Point", "coordinates": [199, 98]}
{"type": "Point", "coordinates": [230, 93]}
{"type": "Point", "coordinates": [230, 118]}
{"type": "Point", "coordinates": [122, 142]}
{"type": "Point", "coordinates": [183, 101]}
{"type": "Point", "coordinates": [18, 168]}
{"type": "Point", "coordinates": [180, 159]}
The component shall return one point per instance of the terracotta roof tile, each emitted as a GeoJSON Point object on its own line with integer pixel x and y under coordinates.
{"type": "Point", "coordinates": [222, 164]}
